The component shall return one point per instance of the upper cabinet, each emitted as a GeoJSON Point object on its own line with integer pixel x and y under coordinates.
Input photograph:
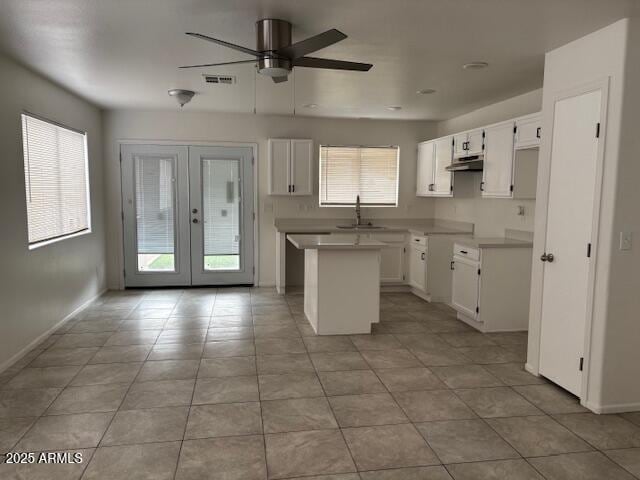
{"type": "Point", "coordinates": [468, 144]}
{"type": "Point", "coordinates": [432, 178]}
{"type": "Point", "coordinates": [497, 173]}
{"type": "Point", "coordinates": [290, 166]}
{"type": "Point", "coordinates": [528, 131]}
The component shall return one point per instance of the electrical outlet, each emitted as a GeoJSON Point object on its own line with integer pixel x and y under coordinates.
{"type": "Point", "coordinates": [626, 240]}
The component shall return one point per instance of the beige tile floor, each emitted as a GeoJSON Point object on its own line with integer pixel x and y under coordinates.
{"type": "Point", "coordinates": [233, 384]}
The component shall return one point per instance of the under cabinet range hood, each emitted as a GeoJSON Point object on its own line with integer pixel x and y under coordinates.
{"type": "Point", "coordinates": [467, 164]}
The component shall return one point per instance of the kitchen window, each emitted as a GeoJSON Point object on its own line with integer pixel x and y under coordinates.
{"type": "Point", "coordinates": [349, 171]}
{"type": "Point", "coordinates": [56, 181]}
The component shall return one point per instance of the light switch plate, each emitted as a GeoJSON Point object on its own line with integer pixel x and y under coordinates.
{"type": "Point", "coordinates": [626, 240]}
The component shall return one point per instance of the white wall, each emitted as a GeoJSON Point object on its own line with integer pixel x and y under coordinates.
{"type": "Point", "coordinates": [186, 126]}
{"type": "Point", "coordinates": [490, 216]}
{"type": "Point", "coordinates": [612, 366]}
{"type": "Point", "coordinates": [38, 288]}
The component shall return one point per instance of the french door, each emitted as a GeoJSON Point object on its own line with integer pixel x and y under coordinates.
{"type": "Point", "coordinates": [187, 215]}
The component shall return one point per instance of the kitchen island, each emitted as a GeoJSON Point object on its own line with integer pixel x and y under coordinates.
{"type": "Point", "coordinates": [341, 282]}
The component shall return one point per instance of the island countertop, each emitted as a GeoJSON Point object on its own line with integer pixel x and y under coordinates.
{"type": "Point", "coordinates": [338, 241]}
{"type": "Point", "coordinates": [493, 242]}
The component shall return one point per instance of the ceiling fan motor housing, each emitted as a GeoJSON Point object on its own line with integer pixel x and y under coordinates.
{"type": "Point", "coordinates": [271, 35]}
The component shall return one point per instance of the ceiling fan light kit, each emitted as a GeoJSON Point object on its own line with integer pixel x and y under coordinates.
{"type": "Point", "coordinates": [275, 56]}
{"type": "Point", "coordinates": [182, 96]}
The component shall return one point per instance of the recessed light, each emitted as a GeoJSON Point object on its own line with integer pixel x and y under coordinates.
{"type": "Point", "coordinates": [426, 91]}
{"type": "Point", "coordinates": [310, 105]}
{"type": "Point", "coordinates": [475, 65]}
{"type": "Point", "coordinates": [394, 108]}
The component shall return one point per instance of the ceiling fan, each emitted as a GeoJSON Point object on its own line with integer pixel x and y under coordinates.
{"type": "Point", "coordinates": [276, 56]}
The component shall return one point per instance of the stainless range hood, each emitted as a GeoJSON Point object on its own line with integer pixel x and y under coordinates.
{"type": "Point", "coordinates": [467, 164]}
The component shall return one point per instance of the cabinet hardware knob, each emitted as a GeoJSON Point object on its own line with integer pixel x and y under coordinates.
{"type": "Point", "coordinates": [195, 210]}
{"type": "Point", "coordinates": [195, 220]}
{"type": "Point", "coordinates": [422, 256]}
{"type": "Point", "coordinates": [464, 251]}
{"type": "Point", "coordinates": [538, 132]}
{"type": "Point", "coordinates": [547, 257]}
{"type": "Point", "coordinates": [452, 265]}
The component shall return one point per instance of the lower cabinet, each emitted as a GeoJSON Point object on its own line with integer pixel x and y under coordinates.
{"type": "Point", "coordinates": [418, 267]}
{"type": "Point", "coordinates": [465, 286]}
{"type": "Point", "coordinates": [490, 286]}
{"type": "Point", "coordinates": [392, 264]}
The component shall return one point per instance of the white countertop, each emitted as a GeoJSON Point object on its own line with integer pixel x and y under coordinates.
{"type": "Point", "coordinates": [493, 242]}
{"type": "Point", "coordinates": [412, 225]}
{"type": "Point", "coordinates": [335, 242]}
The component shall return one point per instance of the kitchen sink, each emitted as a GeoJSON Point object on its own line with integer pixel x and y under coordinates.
{"type": "Point", "coordinates": [360, 227]}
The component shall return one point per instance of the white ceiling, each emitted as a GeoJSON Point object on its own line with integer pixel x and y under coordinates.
{"type": "Point", "coordinates": [125, 53]}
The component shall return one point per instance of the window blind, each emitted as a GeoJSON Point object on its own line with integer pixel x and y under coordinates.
{"type": "Point", "coordinates": [371, 172]}
{"type": "Point", "coordinates": [56, 182]}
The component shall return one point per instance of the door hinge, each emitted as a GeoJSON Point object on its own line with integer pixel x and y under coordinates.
{"type": "Point", "coordinates": [598, 130]}
{"type": "Point", "coordinates": [581, 366]}
{"type": "Point", "coordinates": [451, 188]}
{"type": "Point", "coordinates": [254, 216]}
{"type": "Point", "coordinates": [477, 309]}
{"type": "Point", "coordinates": [124, 272]}
{"type": "Point", "coordinates": [122, 215]}
{"type": "Point", "coordinates": [404, 250]}
{"type": "Point", "coordinates": [253, 160]}
{"type": "Point", "coordinates": [478, 271]}
{"type": "Point", "coordinates": [588, 250]}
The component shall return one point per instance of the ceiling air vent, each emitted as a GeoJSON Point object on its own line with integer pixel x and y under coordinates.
{"type": "Point", "coordinates": [220, 79]}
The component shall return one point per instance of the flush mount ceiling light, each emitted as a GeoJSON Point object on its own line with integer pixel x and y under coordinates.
{"type": "Point", "coordinates": [310, 105]}
{"type": "Point", "coordinates": [426, 91]}
{"type": "Point", "coordinates": [182, 96]}
{"type": "Point", "coordinates": [394, 108]}
{"type": "Point", "coordinates": [475, 65]}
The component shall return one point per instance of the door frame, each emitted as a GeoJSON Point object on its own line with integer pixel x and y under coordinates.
{"type": "Point", "coordinates": [194, 143]}
{"type": "Point", "coordinates": [542, 201]}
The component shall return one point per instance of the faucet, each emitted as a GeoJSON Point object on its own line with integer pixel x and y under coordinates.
{"type": "Point", "coordinates": [358, 217]}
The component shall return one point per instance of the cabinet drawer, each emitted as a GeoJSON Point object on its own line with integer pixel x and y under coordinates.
{"type": "Point", "coordinates": [418, 240]}
{"type": "Point", "coordinates": [466, 252]}
{"type": "Point", "coordinates": [389, 237]}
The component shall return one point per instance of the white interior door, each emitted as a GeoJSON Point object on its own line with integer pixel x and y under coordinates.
{"type": "Point", "coordinates": [570, 214]}
{"type": "Point", "coordinates": [187, 215]}
{"type": "Point", "coordinates": [155, 199]}
{"type": "Point", "coordinates": [221, 209]}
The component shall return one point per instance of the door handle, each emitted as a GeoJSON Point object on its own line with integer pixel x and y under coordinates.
{"type": "Point", "coordinates": [547, 257]}
{"type": "Point", "coordinates": [195, 210]}
{"type": "Point", "coordinates": [195, 220]}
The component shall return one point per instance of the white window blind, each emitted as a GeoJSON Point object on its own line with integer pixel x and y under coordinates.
{"type": "Point", "coordinates": [56, 182]}
{"type": "Point", "coordinates": [371, 172]}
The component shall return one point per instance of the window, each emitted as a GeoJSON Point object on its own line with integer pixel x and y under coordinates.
{"type": "Point", "coordinates": [56, 180]}
{"type": "Point", "coordinates": [371, 172]}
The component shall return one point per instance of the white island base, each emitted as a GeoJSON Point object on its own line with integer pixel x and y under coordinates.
{"type": "Point", "coordinates": [341, 283]}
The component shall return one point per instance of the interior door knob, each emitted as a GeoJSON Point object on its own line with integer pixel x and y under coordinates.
{"type": "Point", "coordinates": [547, 257]}
{"type": "Point", "coordinates": [195, 220]}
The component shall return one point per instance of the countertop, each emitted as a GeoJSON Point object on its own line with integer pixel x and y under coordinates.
{"type": "Point", "coordinates": [335, 242]}
{"type": "Point", "coordinates": [412, 225]}
{"type": "Point", "coordinates": [493, 242]}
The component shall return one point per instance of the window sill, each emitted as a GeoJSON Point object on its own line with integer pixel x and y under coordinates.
{"type": "Point", "coordinates": [44, 243]}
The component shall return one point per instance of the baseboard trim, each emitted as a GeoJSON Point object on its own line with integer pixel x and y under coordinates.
{"type": "Point", "coordinates": [38, 340]}
{"type": "Point", "coordinates": [615, 408]}
{"type": "Point", "coordinates": [529, 368]}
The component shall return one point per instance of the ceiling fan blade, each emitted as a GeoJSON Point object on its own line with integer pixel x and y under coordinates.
{"type": "Point", "coordinates": [279, 79]}
{"type": "Point", "coordinates": [239, 48]}
{"type": "Point", "coordinates": [218, 64]}
{"type": "Point", "coordinates": [312, 44]}
{"type": "Point", "coordinates": [313, 62]}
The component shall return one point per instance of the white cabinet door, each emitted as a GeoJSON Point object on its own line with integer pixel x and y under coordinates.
{"type": "Point", "coordinates": [528, 132]}
{"type": "Point", "coordinates": [279, 166]}
{"type": "Point", "coordinates": [565, 296]}
{"type": "Point", "coordinates": [392, 264]}
{"type": "Point", "coordinates": [424, 171]}
{"type": "Point", "coordinates": [497, 174]}
{"type": "Point", "coordinates": [417, 268]}
{"type": "Point", "coordinates": [460, 145]}
{"type": "Point", "coordinates": [475, 142]}
{"type": "Point", "coordinates": [442, 178]}
{"type": "Point", "coordinates": [465, 287]}
{"type": "Point", "coordinates": [301, 167]}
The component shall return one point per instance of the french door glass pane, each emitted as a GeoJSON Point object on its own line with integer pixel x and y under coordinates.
{"type": "Point", "coordinates": [221, 214]}
{"type": "Point", "coordinates": [155, 213]}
